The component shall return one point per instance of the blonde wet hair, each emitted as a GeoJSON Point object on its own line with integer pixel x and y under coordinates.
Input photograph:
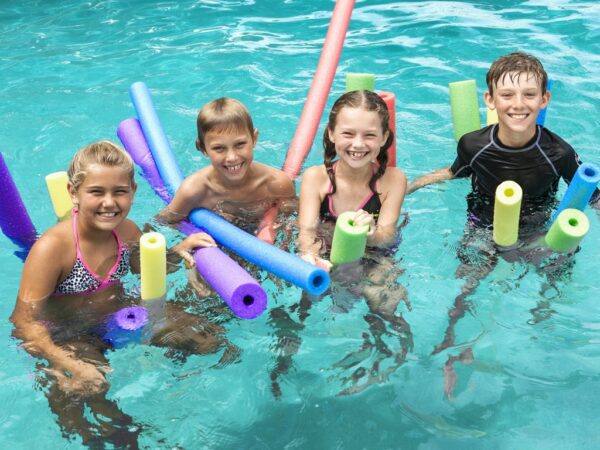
{"type": "Point", "coordinates": [103, 153]}
{"type": "Point", "coordinates": [224, 115]}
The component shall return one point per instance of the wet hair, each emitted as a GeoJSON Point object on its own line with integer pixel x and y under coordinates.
{"type": "Point", "coordinates": [223, 114]}
{"type": "Point", "coordinates": [103, 153]}
{"type": "Point", "coordinates": [514, 65]}
{"type": "Point", "coordinates": [369, 101]}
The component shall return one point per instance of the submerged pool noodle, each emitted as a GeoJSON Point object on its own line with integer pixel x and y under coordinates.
{"type": "Point", "coordinates": [567, 231]}
{"type": "Point", "coordinates": [464, 106]}
{"type": "Point", "coordinates": [14, 219]}
{"type": "Point", "coordinates": [507, 211]}
{"type": "Point", "coordinates": [280, 263]}
{"type": "Point", "coordinates": [133, 140]}
{"type": "Point", "coordinates": [314, 105]}
{"type": "Point", "coordinates": [349, 240]}
{"type": "Point", "coordinates": [246, 298]}
{"type": "Point", "coordinates": [580, 189]}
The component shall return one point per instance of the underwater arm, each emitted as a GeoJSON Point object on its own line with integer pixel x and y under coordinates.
{"type": "Point", "coordinates": [436, 176]}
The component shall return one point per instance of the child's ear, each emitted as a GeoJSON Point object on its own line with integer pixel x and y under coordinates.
{"type": "Point", "coordinates": [72, 194]}
{"type": "Point", "coordinates": [200, 147]}
{"type": "Point", "coordinates": [255, 136]}
{"type": "Point", "coordinates": [545, 99]}
{"type": "Point", "coordinates": [330, 135]}
{"type": "Point", "coordinates": [489, 100]}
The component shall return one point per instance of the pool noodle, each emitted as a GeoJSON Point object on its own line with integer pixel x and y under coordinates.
{"type": "Point", "coordinates": [14, 219]}
{"type": "Point", "coordinates": [360, 82]}
{"type": "Point", "coordinates": [349, 240]}
{"type": "Point", "coordinates": [580, 189]}
{"type": "Point", "coordinates": [464, 105]}
{"type": "Point", "coordinates": [314, 105]}
{"type": "Point", "coordinates": [135, 144]}
{"type": "Point", "coordinates": [153, 263]}
{"type": "Point", "coordinates": [492, 116]}
{"type": "Point", "coordinates": [319, 89]}
{"type": "Point", "coordinates": [131, 135]}
{"type": "Point", "coordinates": [246, 298]}
{"type": "Point", "coordinates": [269, 257]}
{"type": "Point", "coordinates": [282, 264]}
{"type": "Point", "coordinates": [126, 326]}
{"type": "Point", "coordinates": [541, 118]}
{"type": "Point", "coordinates": [390, 101]}
{"type": "Point", "coordinates": [59, 194]}
{"type": "Point", "coordinates": [507, 211]}
{"type": "Point", "coordinates": [567, 231]}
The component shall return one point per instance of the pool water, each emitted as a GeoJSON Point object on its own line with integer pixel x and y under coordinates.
{"type": "Point", "coordinates": [524, 368]}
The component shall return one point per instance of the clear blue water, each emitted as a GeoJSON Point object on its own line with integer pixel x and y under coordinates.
{"type": "Point", "coordinates": [534, 381]}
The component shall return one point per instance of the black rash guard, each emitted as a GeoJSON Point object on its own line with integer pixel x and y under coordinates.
{"type": "Point", "coordinates": [536, 167]}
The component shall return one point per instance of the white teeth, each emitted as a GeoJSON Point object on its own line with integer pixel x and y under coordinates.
{"type": "Point", "coordinates": [108, 214]}
{"type": "Point", "coordinates": [234, 168]}
{"type": "Point", "coordinates": [357, 155]}
{"type": "Point", "coordinates": [518, 116]}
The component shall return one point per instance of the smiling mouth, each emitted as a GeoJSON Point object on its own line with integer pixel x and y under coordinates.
{"type": "Point", "coordinates": [108, 215]}
{"type": "Point", "coordinates": [234, 169]}
{"type": "Point", "coordinates": [518, 116]}
{"type": "Point", "coordinates": [357, 155]}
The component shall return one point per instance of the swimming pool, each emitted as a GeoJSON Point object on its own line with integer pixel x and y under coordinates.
{"type": "Point", "coordinates": [533, 381]}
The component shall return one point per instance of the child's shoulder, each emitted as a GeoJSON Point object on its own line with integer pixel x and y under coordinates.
{"type": "Point", "coordinates": [316, 174]}
{"type": "Point", "coordinates": [278, 181]}
{"type": "Point", "coordinates": [128, 231]}
{"type": "Point", "coordinates": [55, 241]}
{"type": "Point", "coordinates": [393, 177]}
{"type": "Point", "coordinates": [196, 182]}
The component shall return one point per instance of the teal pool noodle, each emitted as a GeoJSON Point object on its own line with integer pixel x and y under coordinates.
{"type": "Point", "coordinates": [580, 189]}
{"type": "Point", "coordinates": [464, 105]}
{"type": "Point", "coordinates": [349, 240]}
{"type": "Point", "coordinates": [541, 118]}
{"type": "Point", "coordinates": [282, 264]}
{"type": "Point", "coordinates": [155, 136]}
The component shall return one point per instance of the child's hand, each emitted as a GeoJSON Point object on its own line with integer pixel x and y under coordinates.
{"type": "Point", "coordinates": [364, 218]}
{"type": "Point", "coordinates": [196, 240]}
{"type": "Point", "coordinates": [316, 261]}
{"type": "Point", "coordinates": [77, 377]}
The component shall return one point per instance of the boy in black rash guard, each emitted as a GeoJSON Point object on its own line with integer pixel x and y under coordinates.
{"type": "Point", "coordinates": [513, 149]}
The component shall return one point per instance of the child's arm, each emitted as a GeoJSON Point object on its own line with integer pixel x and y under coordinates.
{"type": "Point", "coordinates": [308, 218]}
{"type": "Point", "coordinates": [38, 282]}
{"type": "Point", "coordinates": [395, 189]}
{"type": "Point", "coordinates": [436, 176]}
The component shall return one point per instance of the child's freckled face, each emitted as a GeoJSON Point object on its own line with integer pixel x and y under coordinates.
{"type": "Point", "coordinates": [230, 153]}
{"type": "Point", "coordinates": [518, 100]}
{"type": "Point", "coordinates": [357, 136]}
{"type": "Point", "coordinates": [105, 196]}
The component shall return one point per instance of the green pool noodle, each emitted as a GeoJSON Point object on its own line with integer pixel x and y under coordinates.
{"type": "Point", "coordinates": [507, 210]}
{"type": "Point", "coordinates": [567, 231]}
{"type": "Point", "coordinates": [360, 81]}
{"type": "Point", "coordinates": [349, 240]}
{"type": "Point", "coordinates": [464, 105]}
{"type": "Point", "coordinates": [492, 116]}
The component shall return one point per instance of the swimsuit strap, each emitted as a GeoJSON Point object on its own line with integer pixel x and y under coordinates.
{"type": "Point", "coordinates": [364, 202]}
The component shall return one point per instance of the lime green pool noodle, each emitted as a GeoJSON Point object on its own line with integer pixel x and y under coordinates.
{"type": "Point", "coordinates": [507, 210]}
{"type": "Point", "coordinates": [360, 81]}
{"type": "Point", "coordinates": [59, 194]}
{"type": "Point", "coordinates": [567, 231]}
{"type": "Point", "coordinates": [464, 105]}
{"type": "Point", "coordinates": [153, 265]}
{"type": "Point", "coordinates": [349, 240]}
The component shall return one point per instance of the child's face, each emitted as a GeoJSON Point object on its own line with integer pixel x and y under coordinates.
{"type": "Point", "coordinates": [105, 196]}
{"type": "Point", "coordinates": [518, 103]}
{"type": "Point", "coordinates": [230, 152]}
{"type": "Point", "coordinates": [357, 136]}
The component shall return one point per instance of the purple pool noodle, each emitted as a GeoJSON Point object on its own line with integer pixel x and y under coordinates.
{"type": "Point", "coordinates": [14, 219]}
{"type": "Point", "coordinates": [131, 135]}
{"type": "Point", "coordinates": [242, 293]}
{"type": "Point", "coordinates": [131, 318]}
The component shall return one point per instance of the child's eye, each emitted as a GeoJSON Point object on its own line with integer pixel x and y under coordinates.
{"type": "Point", "coordinates": [240, 144]}
{"type": "Point", "coordinates": [217, 149]}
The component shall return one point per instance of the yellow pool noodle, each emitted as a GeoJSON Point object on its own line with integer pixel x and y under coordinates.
{"type": "Point", "coordinates": [153, 265]}
{"type": "Point", "coordinates": [507, 210]}
{"type": "Point", "coordinates": [567, 231]}
{"type": "Point", "coordinates": [349, 240]}
{"type": "Point", "coordinates": [360, 81]}
{"type": "Point", "coordinates": [492, 116]}
{"type": "Point", "coordinates": [57, 188]}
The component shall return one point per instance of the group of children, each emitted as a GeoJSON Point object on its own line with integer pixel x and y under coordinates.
{"type": "Point", "coordinates": [91, 249]}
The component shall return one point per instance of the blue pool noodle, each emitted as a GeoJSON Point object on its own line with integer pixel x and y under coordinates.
{"type": "Point", "coordinates": [282, 264]}
{"type": "Point", "coordinates": [541, 118]}
{"type": "Point", "coordinates": [14, 219]}
{"type": "Point", "coordinates": [580, 189]}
